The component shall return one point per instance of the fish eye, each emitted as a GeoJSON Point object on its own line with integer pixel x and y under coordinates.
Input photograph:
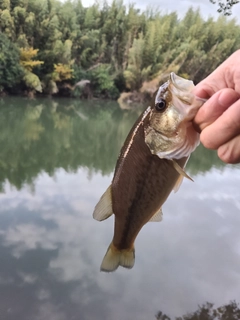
{"type": "Point", "coordinates": [161, 105]}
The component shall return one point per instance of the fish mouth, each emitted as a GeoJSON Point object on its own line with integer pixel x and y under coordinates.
{"type": "Point", "coordinates": [181, 88]}
{"type": "Point", "coordinates": [183, 98]}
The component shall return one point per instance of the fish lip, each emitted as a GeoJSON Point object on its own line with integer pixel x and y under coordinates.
{"type": "Point", "coordinates": [182, 90]}
{"type": "Point", "coordinates": [180, 83]}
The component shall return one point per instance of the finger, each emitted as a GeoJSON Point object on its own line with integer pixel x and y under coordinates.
{"type": "Point", "coordinates": [214, 108]}
{"type": "Point", "coordinates": [225, 128]}
{"type": "Point", "coordinates": [211, 84]}
{"type": "Point", "coordinates": [206, 89]}
{"type": "Point", "coordinates": [226, 75]}
{"type": "Point", "coordinates": [230, 151]}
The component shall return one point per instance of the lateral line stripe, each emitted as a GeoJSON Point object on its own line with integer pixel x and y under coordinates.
{"type": "Point", "coordinates": [135, 131]}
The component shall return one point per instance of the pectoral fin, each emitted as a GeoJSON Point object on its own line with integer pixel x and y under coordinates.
{"type": "Point", "coordinates": [157, 217]}
{"type": "Point", "coordinates": [178, 183]}
{"type": "Point", "coordinates": [180, 170]}
{"type": "Point", "coordinates": [103, 209]}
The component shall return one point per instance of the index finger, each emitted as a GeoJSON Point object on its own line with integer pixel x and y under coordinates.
{"type": "Point", "coordinates": [210, 85]}
{"type": "Point", "coordinates": [227, 75]}
{"type": "Point", "coordinates": [214, 108]}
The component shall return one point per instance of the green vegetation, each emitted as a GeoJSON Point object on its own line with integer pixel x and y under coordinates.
{"type": "Point", "coordinates": [207, 311]}
{"type": "Point", "coordinates": [49, 46]}
{"type": "Point", "coordinates": [11, 72]}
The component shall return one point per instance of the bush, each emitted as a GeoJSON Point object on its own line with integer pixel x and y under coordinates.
{"type": "Point", "coordinates": [11, 72]}
{"type": "Point", "coordinates": [102, 82]}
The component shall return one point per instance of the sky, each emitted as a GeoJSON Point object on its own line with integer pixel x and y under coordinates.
{"type": "Point", "coordinates": [206, 7]}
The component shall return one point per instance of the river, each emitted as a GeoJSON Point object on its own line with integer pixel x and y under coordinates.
{"type": "Point", "coordinates": [56, 159]}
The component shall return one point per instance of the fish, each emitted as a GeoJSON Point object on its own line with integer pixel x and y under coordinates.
{"type": "Point", "coordinates": [151, 164]}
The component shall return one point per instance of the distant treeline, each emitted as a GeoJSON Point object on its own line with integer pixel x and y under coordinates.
{"type": "Point", "coordinates": [207, 311]}
{"type": "Point", "coordinates": [49, 46]}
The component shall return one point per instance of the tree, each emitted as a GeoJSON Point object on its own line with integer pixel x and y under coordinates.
{"type": "Point", "coordinates": [130, 46]}
{"type": "Point", "coordinates": [135, 73]}
{"type": "Point", "coordinates": [207, 311]}
{"type": "Point", "coordinates": [26, 60]}
{"type": "Point", "coordinates": [11, 71]}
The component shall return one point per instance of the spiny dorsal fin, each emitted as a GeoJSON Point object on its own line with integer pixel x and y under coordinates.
{"type": "Point", "coordinates": [180, 170]}
{"type": "Point", "coordinates": [103, 209]}
{"type": "Point", "coordinates": [157, 217]}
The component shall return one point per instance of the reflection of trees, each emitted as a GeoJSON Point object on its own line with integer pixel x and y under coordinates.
{"type": "Point", "coordinates": [208, 312]}
{"type": "Point", "coordinates": [64, 134]}
{"type": "Point", "coordinates": [44, 135]}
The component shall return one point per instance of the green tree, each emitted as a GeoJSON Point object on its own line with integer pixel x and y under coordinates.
{"type": "Point", "coordinates": [133, 46]}
{"type": "Point", "coordinates": [135, 74]}
{"type": "Point", "coordinates": [11, 71]}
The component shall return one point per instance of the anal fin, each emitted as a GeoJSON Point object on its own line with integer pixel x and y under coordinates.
{"type": "Point", "coordinates": [103, 209]}
{"type": "Point", "coordinates": [157, 217]}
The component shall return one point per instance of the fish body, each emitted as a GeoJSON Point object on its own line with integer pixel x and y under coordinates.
{"type": "Point", "coordinates": [151, 164]}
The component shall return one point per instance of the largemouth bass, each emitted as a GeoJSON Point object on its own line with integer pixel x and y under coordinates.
{"type": "Point", "coordinates": [151, 164]}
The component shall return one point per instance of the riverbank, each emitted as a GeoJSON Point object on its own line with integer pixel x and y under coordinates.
{"type": "Point", "coordinates": [83, 90]}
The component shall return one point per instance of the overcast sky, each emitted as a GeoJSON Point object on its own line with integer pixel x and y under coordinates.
{"type": "Point", "coordinates": [181, 6]}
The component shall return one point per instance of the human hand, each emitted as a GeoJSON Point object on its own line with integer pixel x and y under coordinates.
{"type": "Point", "coordinates": [218, 119]}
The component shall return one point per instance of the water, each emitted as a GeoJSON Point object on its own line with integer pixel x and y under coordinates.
{"type": "Point", "coordinates": [57, 158]}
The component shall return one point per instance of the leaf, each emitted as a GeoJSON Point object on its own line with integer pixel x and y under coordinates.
{"type": "Point", "coordinates": [32, 81]}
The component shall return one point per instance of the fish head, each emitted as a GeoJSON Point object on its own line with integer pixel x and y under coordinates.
{"type": "Point", "coordinates": [169, 132]}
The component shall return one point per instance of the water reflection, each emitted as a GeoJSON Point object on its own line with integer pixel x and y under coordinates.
{"type": "Point", "coordinates": [49, 135]}
{"type": "Point", "coordinates": [44, 135]}
{"type": "Point", "coordinates": [51, 248]}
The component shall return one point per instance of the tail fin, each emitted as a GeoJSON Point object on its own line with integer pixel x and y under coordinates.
{"type": "Point", "coordinates": [115, 258]}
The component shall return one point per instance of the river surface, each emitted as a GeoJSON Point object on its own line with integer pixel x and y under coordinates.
{"type": "Point", "coordinates": [56, 159]}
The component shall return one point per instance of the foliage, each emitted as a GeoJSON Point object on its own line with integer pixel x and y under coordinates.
{"type": "Point", "coordinates": [62, 72]}
{"type": "Point", "coordinates": [117, 47]}
{"type": "Point", "coordinates": [32, 81]}
{"type": "Point", "coordinates": [135, 74]}
{"type": "Point", "coordinates": [11, 71]}
{"type": "Point", "coordinates": [26, 56]}
{"type": "Point", "coordinates": [207, 311]}
{"type": "Point", "coordinates": [103, 82]}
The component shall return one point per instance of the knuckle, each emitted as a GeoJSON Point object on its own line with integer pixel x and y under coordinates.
{"type": "Point", "coordinates": [228, 154]}
{"type": "Point", "coordinates": [225, 155]}
{"type": "Point", "coordinates": [208, 140]}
